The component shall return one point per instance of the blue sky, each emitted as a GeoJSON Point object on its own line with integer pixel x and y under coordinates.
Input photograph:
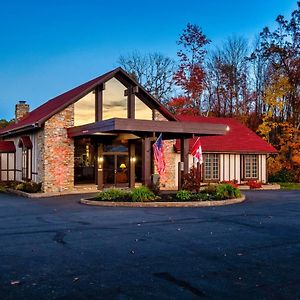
{"type": "Point", "coordinates": [50, 46]}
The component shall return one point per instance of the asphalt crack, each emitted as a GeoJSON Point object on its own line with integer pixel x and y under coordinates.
{"type": "Point", "coordinates": [181, 283]}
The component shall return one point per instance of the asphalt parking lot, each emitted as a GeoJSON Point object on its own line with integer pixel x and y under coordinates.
{"type": "Point", "coordinates": [58, 249]}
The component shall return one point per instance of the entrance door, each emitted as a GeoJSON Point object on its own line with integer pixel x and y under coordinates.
{"type": "Point", "coordinates": [116, 170]}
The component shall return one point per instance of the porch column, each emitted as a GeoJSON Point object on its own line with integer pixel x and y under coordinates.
{"type": "Point", "coordinates": [99, 163]}
{"type": "Point", "coordinates": [131, 165]}
{"type": "Point", "coordinates": [146, 161]}
{"type": "Point", "coordinates": [184, 158]}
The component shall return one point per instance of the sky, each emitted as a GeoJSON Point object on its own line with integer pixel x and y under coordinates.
{"type": "Point", "coordinates": [48, 47]}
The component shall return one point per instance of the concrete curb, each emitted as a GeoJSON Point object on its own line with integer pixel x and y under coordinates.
{"type": "Point", "coordinates": [46, 195]}
{"type": "Point", "coordinates": [162, 204]}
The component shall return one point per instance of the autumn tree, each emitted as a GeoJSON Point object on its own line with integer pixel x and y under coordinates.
{"type": "Point", "coordinates": [153, 70]}
{"type": "Point", "coordinates": [281, 120]}
{"type": "Point", "coordinates": [190, 74]}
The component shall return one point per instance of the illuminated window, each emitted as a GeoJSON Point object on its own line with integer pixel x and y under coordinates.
{"type": "Point", "coordinates": [250, 166]}
{"type": "Point", "coordinates": [211, 167]}
{"type": "Point", "coordinates": [84, 110]}
{"type": "Point", "coordinates": [114, 101]}
{"type": "Point", "coordinates": [142, 111]}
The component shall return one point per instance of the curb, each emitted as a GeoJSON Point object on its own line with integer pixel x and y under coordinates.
{"type": "Point", "coordinates": [162, 204]}
{"type": "Point", "coordinates": [46, 195]}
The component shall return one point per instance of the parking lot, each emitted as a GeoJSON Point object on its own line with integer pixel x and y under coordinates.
{"type": "Point", "coordinates": [56, 248]}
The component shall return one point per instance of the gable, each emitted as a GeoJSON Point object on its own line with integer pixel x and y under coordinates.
{"type": "Point", "coordinates": [37, 117]}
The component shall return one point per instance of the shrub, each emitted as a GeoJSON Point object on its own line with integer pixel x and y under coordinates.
{"type": "Point", "coordinates": [114, 194]}
{"type": "Point", "coordinates": [29, 187]}
{"type": "Point", "coordinates": [227, 191]}
{"type": "Point", "coordinates": [192, 180]}
{"type": "Point", "coordinates": [142, 194]}
{"type": "Point", "coordinates": [184, 195]}
{"type": "Point", "coordinates": [253, 184]}
{"type": "Point", "coordinates": [283, 175]}
{"type": "Point", "coordinates": [200, 197]}
{"type": "Point", "coordinates": [210, 189]}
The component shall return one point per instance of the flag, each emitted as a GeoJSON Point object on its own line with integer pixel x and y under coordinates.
{"type": "Point", "coordinates": [197, 151]}
{"type": "Point", "coordinates": [159, 159]}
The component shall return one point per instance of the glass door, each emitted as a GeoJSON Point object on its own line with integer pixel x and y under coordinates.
{"type": "Point", "coordinates": [115, 170]}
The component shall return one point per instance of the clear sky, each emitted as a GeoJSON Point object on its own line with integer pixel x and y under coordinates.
{"type": "Point", "coordinates": [50, 46]}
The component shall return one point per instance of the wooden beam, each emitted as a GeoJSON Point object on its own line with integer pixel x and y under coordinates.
{"type": "Point", "coordinates": [146, 162]}
{"type": "Point", "coordinates": [131, 165]}
{"type": "Point", "coordinates": [131, 102]}
{"type": "Point", "coordinates": [99, 164]}
{"type": "Point", "coordinates": [184, 154]}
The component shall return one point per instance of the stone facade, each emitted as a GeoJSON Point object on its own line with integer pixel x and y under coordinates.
{"type": "Point", "coordinates": [168, 179]}
{"type": "Point", "coordinates": [58, 156]}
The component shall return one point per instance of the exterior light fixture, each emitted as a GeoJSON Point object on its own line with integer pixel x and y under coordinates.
{"type": "Point", "coordinates": [100, 159]}
{"type": "Point", "coordinates": [133, 159]}
{"type": "Point", "coordinates": [227, 128]}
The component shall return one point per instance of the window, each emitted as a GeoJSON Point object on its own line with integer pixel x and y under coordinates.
{"type": "Point", "coordinates": [26, 145]}
{"type": "Point", "coordinates": [250, 166]}
{"type": "Point", "coordinates": [142, 111]}
{"type": "Point", "coordinates": [84, 110]}
{"type": "Point", "coordinates": [114, 101]}
{"type": "Point", "coordinates": [211, 167]}
{"type": "Point", "coordinates": [7, 166]}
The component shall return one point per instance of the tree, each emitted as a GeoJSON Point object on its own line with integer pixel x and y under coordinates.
{"type": "Point", "coordinates": [190, 73]}
{"type": "Point", "coordinates": [153, 70]}
{"type": "Point", "coordinates": [4, 123]}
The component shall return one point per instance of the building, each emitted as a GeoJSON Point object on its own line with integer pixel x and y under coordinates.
{"type": "Point", "coordinates": [97, 133]}
{"type": "Point", "coordinates": [239, 155]}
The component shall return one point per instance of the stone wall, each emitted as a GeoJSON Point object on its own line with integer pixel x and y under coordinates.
{"type": "Point", "coordinates": [168, 180]}
{"type": "Point", "coordinates": [58, 156]}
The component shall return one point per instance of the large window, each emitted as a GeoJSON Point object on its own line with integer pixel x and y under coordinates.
{"type": "Point", "coordinates": [250, 166]}
{"type": "Point", "coordinates": [142, 111]}
{"type": "Point", "coordinates": [84, 110]}
{"type": "Point", "coordinates": [211, 167]}
{"type": "Point", "coordinates": [114, 101]}
{"type": "Point", "coordinates": [7, 166]}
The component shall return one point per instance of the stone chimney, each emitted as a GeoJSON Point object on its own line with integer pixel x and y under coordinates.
{"type": "Point", "coordinates": [22, 109]}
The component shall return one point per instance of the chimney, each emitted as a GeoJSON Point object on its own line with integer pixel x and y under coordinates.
{"type": "Point", "coordinates": [22, 109]}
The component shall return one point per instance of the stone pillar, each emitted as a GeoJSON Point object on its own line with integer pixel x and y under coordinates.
{"type": "Point", "coordinates": [59, 152]}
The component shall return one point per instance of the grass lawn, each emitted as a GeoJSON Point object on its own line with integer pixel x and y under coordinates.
{"type": "Point", "coordinates": [289, 185]}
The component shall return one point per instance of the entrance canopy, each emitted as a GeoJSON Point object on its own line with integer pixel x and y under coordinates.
{"type": "Point", "coordinates": [148, 128]}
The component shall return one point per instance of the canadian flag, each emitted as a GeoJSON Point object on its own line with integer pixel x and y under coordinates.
{"type": "Point", "coordinates": [197, 151]}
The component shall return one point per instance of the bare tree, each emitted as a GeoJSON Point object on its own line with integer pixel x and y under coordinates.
{"type": "Point", "coordinates": [153, 70]}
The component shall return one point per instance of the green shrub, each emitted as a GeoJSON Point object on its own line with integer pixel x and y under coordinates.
{"type": "Point", "coordinates": [282, 176]}
{"type": "Point", "coordinates": [114, 194]}
{"type": "Point", "coordinates": [142, 194]}
{"type": "Point", "coordinates": [2, 189]}
{"type": "Point", "coordinates": [29, 187]}
{"type": "Point", "coordinates": [226, 191]}
{"type": "Point", "coordinates": [183, 195]}
{"type": "Point", "coordinates": [210, 189]}
{"type": "Point", "coordinates": [200, 197]}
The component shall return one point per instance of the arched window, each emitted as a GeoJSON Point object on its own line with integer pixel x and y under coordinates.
{"type": "Point", "coordinates": [26, 145]}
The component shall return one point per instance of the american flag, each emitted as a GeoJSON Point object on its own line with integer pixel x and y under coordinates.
{"type": "Point", "coordinates": [159, 159]}
{"type": "Point", "coordinates": [197, 151]}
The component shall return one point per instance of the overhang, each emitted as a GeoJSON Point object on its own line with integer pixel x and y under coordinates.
{"type": "Point", "coordinates": [7, 147]}
{"type": "Point", "coordinates": [148, 128]}
{"type": "Point", "coordinates": [25, 142]}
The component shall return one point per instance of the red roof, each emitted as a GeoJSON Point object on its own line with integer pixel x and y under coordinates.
{"type": "Point", "coordinates": [239, 138]}
{"type": "Point", "coordinates": [53, 106]}
{"type": "Point", "coordinates": [7, 147]}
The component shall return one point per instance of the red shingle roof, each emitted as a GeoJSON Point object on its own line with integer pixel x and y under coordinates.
{"type": "Point", "coordinates": [51, 107]}
{"type": "Point", "coordinates": [239, 138]}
